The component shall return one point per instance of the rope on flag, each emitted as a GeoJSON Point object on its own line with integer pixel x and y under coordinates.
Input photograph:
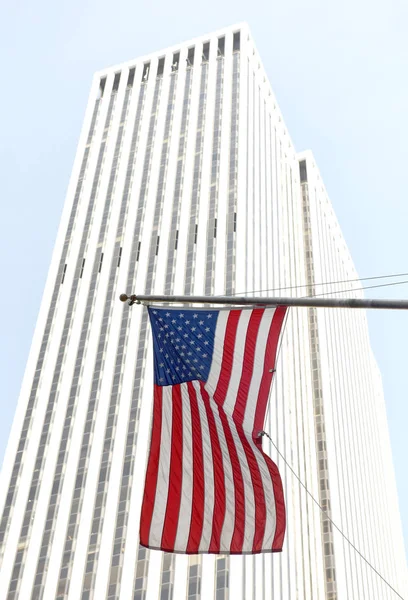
{"type": "Point", "coordinates": [209, 486]}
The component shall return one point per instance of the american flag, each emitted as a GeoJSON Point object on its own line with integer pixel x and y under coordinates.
{"type": "Point", "coordinates": [209, 486]}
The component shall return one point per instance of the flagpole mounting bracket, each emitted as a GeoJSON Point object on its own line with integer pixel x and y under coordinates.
{"type": "Point", "coordinates": [131, 300]}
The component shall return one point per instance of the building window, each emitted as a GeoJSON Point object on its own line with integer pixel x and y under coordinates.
{"type": "Point", "coordinates": [116, 82]}
{"type": "Point", "coordinates": [176, 61]}
{"type": "Point", "coordinates": [303, 171]}
{"type": "Point", "coordinates": [146, 70]}
{"type": "Point", "coordinates": [328, 548]}
{"type": "Point", "coordinates": [102, 84]}
{"type": "Point", "coordinates": [206, 52]}
{"type": "Point", "coordinates": [221, 47]}
{"type": "Point", "coordinates": [190, 57]}
{"type": "Point", "coordinates": [221, 580]}
{"type": "Point", "coordinates": [120, 256]}
{"type": "Point", "coordinates": [194, 579]}
{"type": "Point", "coordinates": [100, 263]}
{"type": "Point", "coordinates": [160, 67]}
{"type": "Point", "coordinates": [166, 591]}
{"type": "Point", "coordinates": [63, 274]}
{"type": "Point", "coordinates": [131, 77]}
{"type": "Point", "coordinates": [236, 42]}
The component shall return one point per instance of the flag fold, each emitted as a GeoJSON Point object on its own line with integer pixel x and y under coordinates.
{"type": "Point", "coordinates": [209, 486]}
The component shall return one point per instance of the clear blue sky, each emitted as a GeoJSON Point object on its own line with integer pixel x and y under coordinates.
{"type": "Point", "coordinates": [339, 71]}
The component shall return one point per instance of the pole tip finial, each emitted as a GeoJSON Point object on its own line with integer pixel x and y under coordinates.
{"type": "Point", "coordinates": [123, 297]}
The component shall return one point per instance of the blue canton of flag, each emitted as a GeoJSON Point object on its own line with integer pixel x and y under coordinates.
{"type": "Point", "coordinates": [183, 344]}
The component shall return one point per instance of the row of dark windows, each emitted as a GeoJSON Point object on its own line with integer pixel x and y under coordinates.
{"type": "Point", "coordinates": [138, 251]}
{"type": "Point", "coordinates": [83, 265]}
{"type": "Point", "coordinates": [205, 56]}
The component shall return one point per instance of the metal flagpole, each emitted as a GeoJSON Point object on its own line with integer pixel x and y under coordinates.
{"type": "Point", "coordinates": [265, 301]}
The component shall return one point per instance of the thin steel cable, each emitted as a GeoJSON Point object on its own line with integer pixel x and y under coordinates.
{"type": "Point", "coordinates": [368, 287]}
{"type": "Point", "coordinates": [331, 521]}
{"type": "Point", "coordinates": [298, 478]}
{"type": "Point", "coordinates": [314, 296]}
{"type": "Point", "coordinates": [295, 287]}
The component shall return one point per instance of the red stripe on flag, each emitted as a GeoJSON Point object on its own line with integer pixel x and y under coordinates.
{"type": "Point", "coordinates": [175, 474]}
{"type": "Point", "coordinates": [269, 365]}
{"type": "Point", "coordinates": [197, 508]}
{"type": "Point", "coordinates": [247, 365]}
{"type": "Point", "coordinates": [227, 356]}
{"type": "Point", "coordinates": [239, 492]}
{"type": "Point", "coordinates": [280, 510]}
{"type": "Point", "coordinates": [219, 476]}
{"type": "Point", "coordinates": [152, 471]}
{"type": "Point", "coordinates": [259, 494]}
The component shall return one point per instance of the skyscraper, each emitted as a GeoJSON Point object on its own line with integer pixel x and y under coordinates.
{"type": "Point", "coordinates": [186, 181]}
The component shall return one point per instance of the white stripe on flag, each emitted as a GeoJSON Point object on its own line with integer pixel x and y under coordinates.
{"type": "Point", "coordinates": [239, 350]}
{"type": "Point", "coordinates": [267, 484]}
{"type": "Point", "coordinates": [208, 464]}
{"type": "Point", "coordinates": [216, 363]}
{"type": "Point", "coordinates": [259, 360]}
{"type": "Point", "coordinates": [248, 488]}
{"type": "Point", "coordinates": [229, 520]}
{"type": "Point", "coordinates": [159, 512]}
{"type": "Point", "coordinates": [183, 528]}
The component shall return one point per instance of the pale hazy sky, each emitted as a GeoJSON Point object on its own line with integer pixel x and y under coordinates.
{"type": "Point", "coordinates": [339, 71]}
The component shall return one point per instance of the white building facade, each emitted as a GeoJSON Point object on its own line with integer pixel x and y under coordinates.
{"type": "Point", "coordinates": [186, 181]}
